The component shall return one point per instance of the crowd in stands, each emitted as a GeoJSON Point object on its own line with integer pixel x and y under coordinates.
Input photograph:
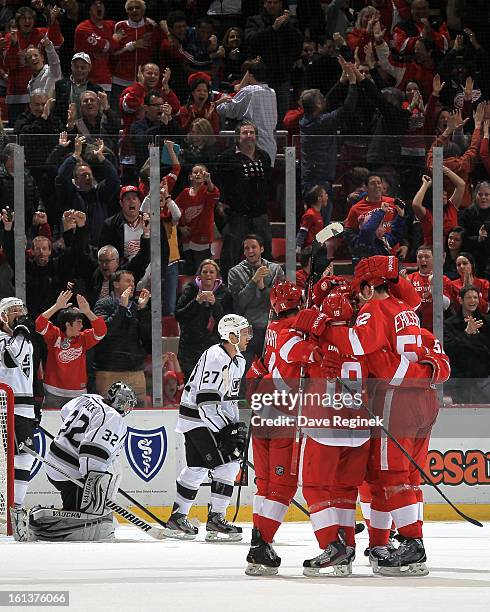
{"type": "Point", "coordinates": [364, 89]}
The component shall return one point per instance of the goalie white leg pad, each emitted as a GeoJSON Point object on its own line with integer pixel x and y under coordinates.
{"type": "Point", "coordinates": [19, 519]}
{"type": "Point", "coordinates": [99, 487]}
{"type": "Point", "coordinates": [70, 526]}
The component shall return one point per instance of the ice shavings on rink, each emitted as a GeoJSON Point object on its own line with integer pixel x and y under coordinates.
{"type": "Point", "coordinates": [140, 574]}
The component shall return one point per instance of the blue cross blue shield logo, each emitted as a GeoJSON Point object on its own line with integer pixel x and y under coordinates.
{"type": "Point", "coordinates": [146, 451]}
{"type": "Point", "coordinates": [40, 448]}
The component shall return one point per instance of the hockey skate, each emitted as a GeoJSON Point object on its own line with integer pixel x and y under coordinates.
{"type": "Point", "coordinates": [180, 528]}
{"type": "Point", "coordinates": [336, 559]}
{"type": "Point", "coordinates": [262, 558]}
{"type": "Point", "coordinates": [218, 529]}
{"type": "Point", "coordinates": [407, 560]}
{"type": "Point", "coordinates": [391, 546]}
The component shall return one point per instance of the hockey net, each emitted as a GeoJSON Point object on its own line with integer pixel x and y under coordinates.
{"type": "Point", "coordinates": [6, 457]}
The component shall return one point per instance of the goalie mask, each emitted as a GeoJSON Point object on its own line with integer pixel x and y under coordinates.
{"type": "Point", "coordinates": [121, 397]}
{"type": "Point", "coordinates": [285, 296]}
{"type": "Point", "coordinates": [234, 324]}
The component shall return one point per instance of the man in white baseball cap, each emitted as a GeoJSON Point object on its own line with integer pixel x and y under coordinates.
{"type": "Point", "coordinates": [69, 89]}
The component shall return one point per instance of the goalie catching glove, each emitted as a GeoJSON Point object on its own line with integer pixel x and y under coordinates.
{"type": "Point", "coordinates": [232, 440]}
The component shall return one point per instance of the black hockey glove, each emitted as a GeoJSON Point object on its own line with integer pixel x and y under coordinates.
{"type": "Point", "coordinates": [233, 438]}
{"type": "Point", "coordinates": [23, 325]}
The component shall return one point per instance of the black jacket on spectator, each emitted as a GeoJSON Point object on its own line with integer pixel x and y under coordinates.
{"type": "Point", "coordinates": [37, 148]}
{"type": "Point", "coordinates": [128, 336]}
{"type": "Point", "coordinates": [319, 155]}
{"type": "Point", "coordinates": [470, 358]}
{"type": "Point", "coordinates": [94, 203]}
{"type": "Point", "coordinates": [112, 232]}
{"type": "Point", "coordinates": [471, 219]}
{"type": "Point", "coordinates": [245, 183]}
{"type": "Point", "coordinates": [44, 283]}
{"type": "Point", "coordinates": [195, 321]}
{"type": "Point", "coordinates": [31, 194]}
{"type": "Point", "coordinates": [322, 73]}
{"type": "Point", "coordinates": [144, 131]}
{"type": "Point", "coordinates": [62, 90]}
{"type": "Point", "coordinates": [278, 49]}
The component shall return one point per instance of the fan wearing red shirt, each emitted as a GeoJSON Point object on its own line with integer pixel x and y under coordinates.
{"type": "Point", "coordinates": [450, 207]}
{"type": "Point", "coordinates": [366, 206]}
{"type": "Point", "coordinates": [312, 222]}
{"type": "Point", "coordinates": [21, 37]}
{"type": "Point", "coordinates": [65, 374]}
{"type": "Point", "coordinates": [197, 204]}
{"type": "Point", "coordinates": [96, 37]}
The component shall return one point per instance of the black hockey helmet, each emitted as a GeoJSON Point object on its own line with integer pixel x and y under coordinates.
{"type": "Point", "coordinates": [121, 397]}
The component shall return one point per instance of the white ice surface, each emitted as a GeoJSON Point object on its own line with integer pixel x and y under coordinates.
{"type": "Point", "coordinates": [139, 574]}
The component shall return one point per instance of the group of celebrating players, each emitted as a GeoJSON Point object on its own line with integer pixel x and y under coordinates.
{"type": "Point", "coordinates": [341, 339]}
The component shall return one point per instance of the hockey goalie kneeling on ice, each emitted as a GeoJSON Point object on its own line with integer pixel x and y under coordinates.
{"type": "Point", "coordinates": [214, 437]}
{"type": "Point", "coordinates": [86, 449]}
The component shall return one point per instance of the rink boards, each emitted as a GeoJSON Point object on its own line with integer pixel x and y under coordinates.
{"type": "Point", "coordinates": [459, 461]}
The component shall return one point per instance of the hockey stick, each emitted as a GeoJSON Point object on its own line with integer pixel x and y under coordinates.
{"type": "Point", "coordinates": [154, 532]}
{"type": "Point", "coordinates": [331, 230]}
{"type": "Point", "coordinates": [421, 471]}
{"type": "Point", "coordinates": [120, 491]}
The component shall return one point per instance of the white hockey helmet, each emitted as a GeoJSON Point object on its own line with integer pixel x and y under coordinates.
{"type": "Point", "coordinates": [121, 397]}
{"type": "Point", "coordinates": [233, 323]}
{"type": "Point", "coordinates": [11, 302]}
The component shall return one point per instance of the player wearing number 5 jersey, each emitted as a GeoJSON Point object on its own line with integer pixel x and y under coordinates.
{"type": "Point", "coordinates": [387, 323]}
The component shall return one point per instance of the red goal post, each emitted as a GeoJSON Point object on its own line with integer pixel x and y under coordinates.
{"type": "Point", "coordinates": [6, 457]}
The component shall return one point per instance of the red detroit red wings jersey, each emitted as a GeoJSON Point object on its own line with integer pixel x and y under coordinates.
{"type": "Point", "coordinates": [388, 323]}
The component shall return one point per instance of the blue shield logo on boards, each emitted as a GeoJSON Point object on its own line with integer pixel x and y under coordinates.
{"type": "Point", "coordinates": [40, 448]}
{"type": "Point", "coordinates": [146, 451]}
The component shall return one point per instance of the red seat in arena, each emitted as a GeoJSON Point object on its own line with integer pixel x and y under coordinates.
{"type": "Point", "coordinates": [279, 249]}
{"type": "Point", "coordinates": [170, 327]}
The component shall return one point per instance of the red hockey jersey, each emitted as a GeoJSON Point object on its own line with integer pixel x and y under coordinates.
{"type": "Point", "coordinates": [98, 43]}
{"type": "Point", "coordinates": [198, 216]}
{"type": "Point", "coordinates": [65, 374]}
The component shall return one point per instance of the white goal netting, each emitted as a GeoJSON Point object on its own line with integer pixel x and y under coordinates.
{"type": "Point", "coordinates": [6, 459]}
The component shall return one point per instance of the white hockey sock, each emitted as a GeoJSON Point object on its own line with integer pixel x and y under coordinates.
{"type": "Point", "coordinates": [188, 484]}
{"type": "Point", "coordinates": [22, 470]}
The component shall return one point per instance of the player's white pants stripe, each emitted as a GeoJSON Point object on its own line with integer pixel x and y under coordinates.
{"type": "Point", "coordinates": [406, 515]}
{"type": "Point", "coordinates": [421, 511]}
{"type": "Point", "coordinates": [273, 510]}
{"type": "Point", "coordinates": [380, 520]}
{"type": "Point", "coordinates": [257, 504]}
{"type": "Point", "coordinates": [386, 421]}
{"type": "Point", "coordinates": [366, 510]}
{"type": "Point", "coordinates": [346, 517]}
{"type": "Point", "coordinates": [324, 518]}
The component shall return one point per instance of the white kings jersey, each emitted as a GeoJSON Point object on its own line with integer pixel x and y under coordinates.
{"type": "Point", "coordinates": [210, 395]}
{"type": "Point", "coordinates": [90, 438]}
{"type": "Point", "coordinates": [17, 371]}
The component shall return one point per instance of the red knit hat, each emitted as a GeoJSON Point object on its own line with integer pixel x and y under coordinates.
{"type": "Point", "coordinates": [201, 76]}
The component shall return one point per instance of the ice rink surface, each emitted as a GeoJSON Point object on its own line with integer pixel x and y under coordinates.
{"type": "Point", "coordinates": [139, 574]}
